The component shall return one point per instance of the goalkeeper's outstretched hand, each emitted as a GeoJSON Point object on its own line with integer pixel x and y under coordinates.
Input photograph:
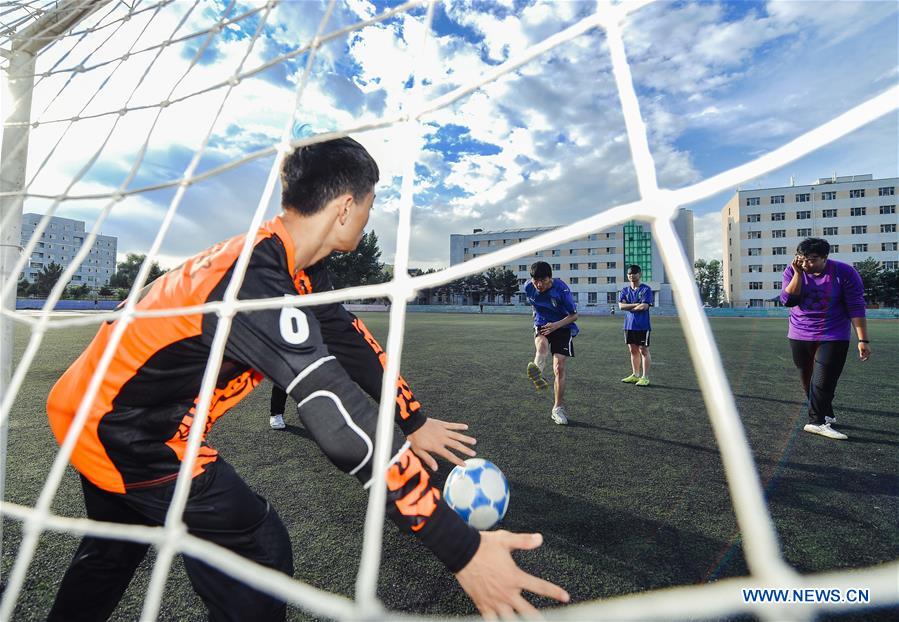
{"type": "Point", "coordinates": [441, 438]}
{"type": "Point", "coordinates": [494, 582]}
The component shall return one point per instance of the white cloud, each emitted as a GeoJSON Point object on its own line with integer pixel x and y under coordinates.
{"type": "Point", "coordinates": [707, 236]}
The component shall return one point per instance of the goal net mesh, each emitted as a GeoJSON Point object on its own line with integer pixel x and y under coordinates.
{"type": "Point", "coordinates": [130, 78]}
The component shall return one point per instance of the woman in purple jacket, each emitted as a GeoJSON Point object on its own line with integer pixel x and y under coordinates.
{"type": "Point", "coordinates": [826, 300]}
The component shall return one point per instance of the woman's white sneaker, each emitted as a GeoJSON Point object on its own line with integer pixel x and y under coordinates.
{"type": "Point", "coordinates": [825, 430]}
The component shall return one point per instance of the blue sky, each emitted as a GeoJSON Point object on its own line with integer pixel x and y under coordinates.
{"type": "Point", "coordinates": [719, 84]}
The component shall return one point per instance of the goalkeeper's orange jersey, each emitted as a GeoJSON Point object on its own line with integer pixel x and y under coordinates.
{"type": "Point", "coordinates": [137, 427]}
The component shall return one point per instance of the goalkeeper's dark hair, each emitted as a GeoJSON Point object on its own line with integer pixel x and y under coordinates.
{"type": "Point", "coordinates": [541, 270]}
{"type": "Point", "coordinates": [313, 175]}
{"type": "Point", "coordinates": [813, 246]}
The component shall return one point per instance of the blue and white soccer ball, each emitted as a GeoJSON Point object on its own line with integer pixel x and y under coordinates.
{"type": "Point", "coordinates": [479, 493]}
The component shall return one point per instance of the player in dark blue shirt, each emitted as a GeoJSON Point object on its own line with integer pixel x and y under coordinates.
{"type": "Point", "coordinates": [635, 300]}
{"type": "Point", "coordinates": [554, 329]}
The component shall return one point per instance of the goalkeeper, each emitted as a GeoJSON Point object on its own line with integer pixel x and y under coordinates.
{"type": "Point", "coordinates": [130, 449]}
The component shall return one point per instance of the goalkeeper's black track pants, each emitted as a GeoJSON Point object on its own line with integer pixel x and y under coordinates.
{"type": "Point", "coordinates": [221, 508]}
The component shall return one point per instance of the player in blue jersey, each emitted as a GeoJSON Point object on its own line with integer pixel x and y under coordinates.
{"type": "Point", "coordinates": [554, 314]}
{"type": "Point", "coordinates": [635, 300]}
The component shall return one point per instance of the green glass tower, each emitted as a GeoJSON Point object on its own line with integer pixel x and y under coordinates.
{"type": "Point", "coordinates": [638, 248]}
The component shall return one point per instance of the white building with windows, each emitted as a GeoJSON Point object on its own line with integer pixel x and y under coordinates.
{"type": "Point", "coordinates": [60, 242]}
{"type": "Point", "coordinates": [762, 227]}
{"type": "Point", "coordinates": [593, 266]}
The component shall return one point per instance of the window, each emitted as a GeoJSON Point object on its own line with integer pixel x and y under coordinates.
{"type": "Point", "coordinates": [777, 198]}
{"type": "Point", "coordinates": [753, 201]}
{"type": "Point", "coordinates": [591, 298]}
{"type": "Point", "coordinates": [592, 237]}
{"type": "Point", "coordinates": [755, 235]}
{"type": "Point", "coordinates": [884, 209]}
{"type": "Point", "coordinates": [476, 243]}
{"type": "Point", "coordinates": [804, 233]}
{"type": "Point", "coordinates": [611, 265]}
{"type": "Point", "coordinates": [753, 217]}
{"type": "Point", "coordinates": [611, 279]}
{"type": "Point", "coordinates": [779, 250]}
{"type": "Point", "coordinates": [891, 228]}
{"type": "Point", "coordinates": [831, 230]}
{"type": "Point", "coordinates": [755, 285]}
{"type": "Point", "coordinates": [834, 248]}
{"type": "Point", "coordinates": [779, 233]}
{"type": "Point", "coordinates": [573, 280]}
{"type": "Point", "coordinates": [857, 211]}
{"type": "Point", "coordinates": [828, 196]}
{"type": "Point", "coordinates": [574, 266]}
{"type": "Point", "coordinates": [755, 251]}
{"type": "Point", "coordinates": [888, 191]}
{"type": "Point", "coordinates": [556, 252]}
{"type": "Point", "coordinates": [857, 194]}
{"type": "Point", "coordinates": [611, 297]}
{"type": "Point", "coordinates": [888, 246]}
{"type": "Point", "coordinates": [755, 267]}
{"type": "Point", "coordinates": [859, 248]}
{"type": "Point", "coordinates": [859, 229]}
{"type": "Point", "coordinates": [776, 285]}
{"type": "Point", "coordinates": [803, 215]}
{"type": "Point", "coordinates": [557, 266]}
{"type": "Point", "coordinates": [591, 280]}
{"type": "Point", "coordinates": [805, 197]}
{"type": "Point", "coordinates": [591, 265]}
{"type": "Point", "coordinates": [829, 213]}
{"type": "Point", "coordinates": [779, 267]}
{"type": "Point", "coordinates": [594, 251]}
{"type": "Point", "coordinates": [778, 216]}
{"type": "Point", "coordinates": [610, 235]}
{"type": "Point", "coordinates": [890, 265]}
{"type": "Point", "coordinates": [756, 302]}
{"type": "Point", "coordinates": [522, 267]}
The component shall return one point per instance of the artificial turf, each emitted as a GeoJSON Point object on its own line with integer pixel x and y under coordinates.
{"type": "Point", "coordinates": [630, 496]}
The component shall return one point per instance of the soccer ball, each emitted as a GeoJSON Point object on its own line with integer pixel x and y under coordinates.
{"type": "Point", "coordinates": [478, 492]}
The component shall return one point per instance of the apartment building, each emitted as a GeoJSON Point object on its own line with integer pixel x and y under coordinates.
{"type": "Point", "coordinates": [593, 266]}
{"type": "Point", "coordinates": [762, 227]}
{"type": "Point", "coordinates": [60, 242]}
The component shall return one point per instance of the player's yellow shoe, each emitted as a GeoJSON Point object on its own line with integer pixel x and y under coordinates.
{"type": "Point", "coordinates": [536, 376]}
{"type": "Point", "coordinates": [642, 382]}
{"type": "Point", "coordinates": [632, 379]}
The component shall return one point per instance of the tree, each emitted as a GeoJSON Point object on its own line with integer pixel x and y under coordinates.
{"type": "Point", "coordinates": [23, 287]}
{"type": "Point", "coordinates": [870, 271]}
{"type": "Point", "coordinates": [888, 290]}
{"type": "Point", "coordinates": [473, 287]}
{"type": "Point", "coordinates": [46, 279]}
{"type": "Point", "coordinates": [126, 271]}
{"type": "Point", "coordinates": [358, 267]}
{"type": "Point", "coordinates": [509, 285]}
{"type": "Point", "coordinates": [106, 290]}
{"type": "Point", "coordinates": [78, 292]}
{"type": "Point", "coordinates": [709, 280]}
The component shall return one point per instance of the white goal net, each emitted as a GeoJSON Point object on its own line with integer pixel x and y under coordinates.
{"type": "Point", "coordinates": [93, 88]}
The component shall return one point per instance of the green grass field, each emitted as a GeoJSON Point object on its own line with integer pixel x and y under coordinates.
{"type": "Point", "coordinates": [631, 496]}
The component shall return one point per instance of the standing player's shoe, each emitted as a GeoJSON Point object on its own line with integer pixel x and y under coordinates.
{"type": "Point", "coordinates": [825, 430]}
{"type": "Point", "coordinates": [559, 415]}
{"type": "Point", "coordinates": [536, 377]}
{"type": "Point", "coordinates": [277, 422]}
{"type": "Point", "coordinates": [642, 382]}
{"type": "Point", "coordinates": [632, 379]}
{"type": "Point", "coordinates": [830, 420]}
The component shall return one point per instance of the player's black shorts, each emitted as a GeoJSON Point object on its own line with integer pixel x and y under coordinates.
{"type": "Point", "coordinates": [637, 337]}
{"type": "Point", "coordinates": [560, 341]}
